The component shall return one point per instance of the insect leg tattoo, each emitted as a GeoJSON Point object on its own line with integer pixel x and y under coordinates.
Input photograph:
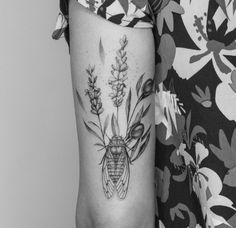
{"type": "Point", "coordinates": [121, 149]}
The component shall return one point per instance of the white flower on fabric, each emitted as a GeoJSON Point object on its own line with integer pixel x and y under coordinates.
{"type": "Point", "coordinates": [166, 108]}
{"type": "Point", "coordinates": [198, 226]}
{"type": "Point", "coordinates": [161, 225]}
{"type": "Point", "coordinates": [195, 22]}
{"type": "Point", "coordinates": [209, 49]}
{"type": "Point", "coordinates": [207, 185]}
{"type": "Point", "coordinates": [203, 176]}
{"type": "Point", "coordinates": [212, 219]}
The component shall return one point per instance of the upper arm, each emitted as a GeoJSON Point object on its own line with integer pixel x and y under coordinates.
{"type": "Point", "coordinates": [112, 74]}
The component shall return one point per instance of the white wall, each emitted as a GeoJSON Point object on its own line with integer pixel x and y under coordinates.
{"type": "Point", "coordinates": [38, 142]}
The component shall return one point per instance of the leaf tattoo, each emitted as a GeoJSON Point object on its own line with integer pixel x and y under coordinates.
{"type": "Point", "coordinates": [101, 51]}
{"type": "Point", "coordinates": [80, 99]}
{"type": "Point", "coordinates": [92, 131]}
{"type": "Point", "coordinates": [139, 83]}
{"type": "Point", "coordinates": [115, 126]}
{"type": "Point", "coordinates": [106, 124]}
{"type": "Point", "coordinates": [128, 105]}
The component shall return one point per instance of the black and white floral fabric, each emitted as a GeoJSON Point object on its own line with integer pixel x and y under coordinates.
{"type": "Point", "coordinates": [195, 104]}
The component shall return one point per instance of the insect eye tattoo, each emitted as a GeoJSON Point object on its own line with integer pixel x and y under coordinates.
{"type": "Point", "coordinates": [121, 149]}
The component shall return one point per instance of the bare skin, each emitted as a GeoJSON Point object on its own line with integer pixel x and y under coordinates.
{"type": "Point", "coordinates": [112, 75]}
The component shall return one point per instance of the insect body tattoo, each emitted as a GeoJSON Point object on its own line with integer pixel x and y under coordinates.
{"type": "Point", "coordinates": [120, 150]}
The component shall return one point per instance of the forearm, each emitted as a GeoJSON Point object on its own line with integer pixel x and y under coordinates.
{"type": "Point", "coordinates": [116, 162]}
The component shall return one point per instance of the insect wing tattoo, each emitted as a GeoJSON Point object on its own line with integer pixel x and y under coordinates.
{"type": "Point", "coordinates": [121, 150]}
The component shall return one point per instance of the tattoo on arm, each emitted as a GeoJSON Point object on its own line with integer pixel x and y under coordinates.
{"type": "Point", "coordinates": [121, 149]}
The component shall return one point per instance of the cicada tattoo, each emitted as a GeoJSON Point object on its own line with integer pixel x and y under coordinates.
{"type": "Point", "coordinates": [115, 168]}
{"type": "Point", "coordinates": [121, 149]}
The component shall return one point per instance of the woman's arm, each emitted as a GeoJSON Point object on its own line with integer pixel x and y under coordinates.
{"type": "Point", "coordinates": [112, 72]}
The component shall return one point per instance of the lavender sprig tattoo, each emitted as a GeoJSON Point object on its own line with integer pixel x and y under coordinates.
{"type": "Point", "coordinates": [119, 76]}
{"type": "Point", "coordinates": [121, 149]}
{"type": "Point", "coordinates": [94, 94]}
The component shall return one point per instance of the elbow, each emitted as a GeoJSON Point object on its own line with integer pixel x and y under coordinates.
{"type": "Point", "coordinates": [115, 219]}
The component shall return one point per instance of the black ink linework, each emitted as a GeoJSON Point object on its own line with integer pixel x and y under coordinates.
{"type": "Point", "coordinates": [94, 94]}
{"type": "Point", "coordinates": [101, 51]}
{"type": "Point", "coordinates": [119, 76]}
{"type": "Point", "coordinates": [121, 150]}
{"type": "Point", "coordinates": [80, 100]}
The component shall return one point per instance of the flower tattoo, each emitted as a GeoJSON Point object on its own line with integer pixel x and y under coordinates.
{"type": "Point", "coordinates": [121, 149]}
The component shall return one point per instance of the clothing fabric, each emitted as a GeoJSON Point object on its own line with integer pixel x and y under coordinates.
{"type": "Point", "coordinates": [195, 104]}
{"type": "Point", "coordinates": [128, 13]}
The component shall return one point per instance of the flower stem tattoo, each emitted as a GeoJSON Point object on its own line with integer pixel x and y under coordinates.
{"type": "Point", "coordinates": [121, 149]}
{"type": "Point", "coordinates": [119, 76]}
{"type": "Point", "coordinates": [94, 94]}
